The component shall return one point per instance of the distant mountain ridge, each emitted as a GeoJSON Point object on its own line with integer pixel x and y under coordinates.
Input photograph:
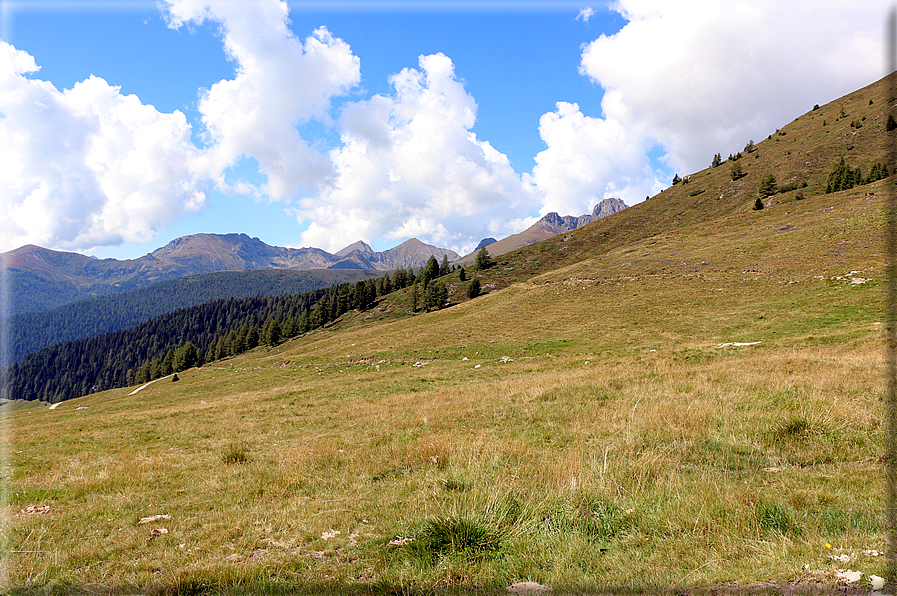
{"type": "Point", "coordinates": [42, 279]}
{"type": "Point", "coordinates": [550, 225]}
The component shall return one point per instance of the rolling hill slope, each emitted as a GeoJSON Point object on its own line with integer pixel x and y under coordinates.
{"type": "Point", "coordinates": [684, 396]}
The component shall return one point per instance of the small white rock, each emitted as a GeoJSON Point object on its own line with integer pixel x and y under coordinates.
{"type": "Point", "coordinates": [328, 534]}
{"type": "Point", "coordinates": [153, 518]}
{"type": "Point", "coordinates": [877, 582]}
{"type": "Point", "coordinates": [478, 366]}
{"type": "Point", "coordinates": [527, 588]}
{"type": "Point", "coordinates": [848, 575]}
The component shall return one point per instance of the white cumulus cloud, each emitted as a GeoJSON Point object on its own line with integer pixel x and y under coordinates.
{"type": "Point", "coordinates": [702, 76]}
{"type": "Point", "coordinates": [589, 159]}
{"type": "Point", "coordinates": [280, 82]}
{"type": "Point", "coordinates": [410, 166]}
{"type": "Point", "coordinates": [88, 166]}
{"type": "Point", "coordinates": [585, 14]}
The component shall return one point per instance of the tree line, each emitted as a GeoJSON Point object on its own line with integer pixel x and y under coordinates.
{"type": "Point", "coordinates": [208, 332]}
{"type": "Point", "coordinates": [187, 336]}
{"type": "Point", "coordinates": [30, 332]}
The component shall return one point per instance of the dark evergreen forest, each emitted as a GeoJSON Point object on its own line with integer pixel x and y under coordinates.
{"type": "Point", "coordinates": [30, 332]}
{"type": "Point", "coordinates": [193, 336]}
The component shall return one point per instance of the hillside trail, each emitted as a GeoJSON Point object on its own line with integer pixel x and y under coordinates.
{"type": "Point", "coordinates": [145, 385]}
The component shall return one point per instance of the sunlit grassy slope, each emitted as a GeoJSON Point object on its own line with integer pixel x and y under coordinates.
{"type": "Point", "coordinates": [584, 425]}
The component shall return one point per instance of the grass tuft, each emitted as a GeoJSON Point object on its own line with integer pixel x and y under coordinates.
{"type": "Point", "coordinates": [454, 485]}
{"type": "Point", "coordinates": [772, 518]}
{"type": "Point", "coordinates": [797, 428]}
{"type": "Point", "coordinates": [456, 535]}
{"type": "Point", "coordinates": [236, 453]}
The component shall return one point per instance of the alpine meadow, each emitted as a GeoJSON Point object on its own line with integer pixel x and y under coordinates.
{"type": "Point", "coordinates": [685, 396]}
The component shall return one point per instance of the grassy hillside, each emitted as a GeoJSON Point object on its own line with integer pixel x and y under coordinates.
{"type": "Point", "coordinates": [588, 424]}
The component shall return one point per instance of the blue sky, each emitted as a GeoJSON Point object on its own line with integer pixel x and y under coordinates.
{"type": "Point", "coordinates": [305, 138]}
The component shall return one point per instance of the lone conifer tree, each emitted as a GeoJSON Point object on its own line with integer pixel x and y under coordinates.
{"type": "Point", "coordinates": [484, 261]}
{"type": "Point", "coordinates": [736, 171]}
{"type": "Point", "coordinates": [473, 288]}
{"type": "Point", "coordinates": [767, 186]}
{"type": "Point", "coordinates": [758, 204]}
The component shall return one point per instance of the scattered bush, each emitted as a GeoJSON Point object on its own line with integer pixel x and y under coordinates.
{"type": "Point", "coordinates": [749, 148]}
{"type": "Point", "coordinates": [891, 124]}
{"type": "Point", "coordinates": [843, 177]}
{"type": "Point", "coordinates": [793, 185]}
{"type": "Point", "coordinates": [695, 193]}
{"type": "Point", "coordinates": [676, 179]}
{"type": "Point", "coordinates": [815, 107]}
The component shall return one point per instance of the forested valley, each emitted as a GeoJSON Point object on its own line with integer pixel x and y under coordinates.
{"type": "Point", "coordinates": [30, 332]}
{"type": "Point", "coordinates": [193, 336]}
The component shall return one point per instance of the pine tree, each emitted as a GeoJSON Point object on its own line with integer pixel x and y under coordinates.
{"type": "Point", "coordinates": [462, 275]}
{"type": "Point", "coordinates": [717, 160]}
{"type": "Point", "coordinates": [473, 288]}
{"type": "Point", "coordinates": [483, 260]}
{"type": "Point", "coordinates": [736, 172]}
{"type": "Point", "coordinates": [444, 266]}
{"type": "Point", "coordinates": [168, 363]}
{"type": "Point", "coordinates": [431, 271]}
{"type": "Point", "coordinates": [676, 179]}
{"type": "Point", "coordinates": [758, 204]}
{"type": "Point", "coordinates": [252, 338]}
{"type": "Point", "coordinates": [767, 186]}
{"type": "Point", "coordinates": [185, 357]}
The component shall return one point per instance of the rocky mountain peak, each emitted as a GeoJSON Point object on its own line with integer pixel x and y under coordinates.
{"type": "Point", "coordinates": [359, 246]}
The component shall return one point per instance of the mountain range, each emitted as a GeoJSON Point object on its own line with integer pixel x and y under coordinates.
{"type": "Point", "coordinates": [42, 279]}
